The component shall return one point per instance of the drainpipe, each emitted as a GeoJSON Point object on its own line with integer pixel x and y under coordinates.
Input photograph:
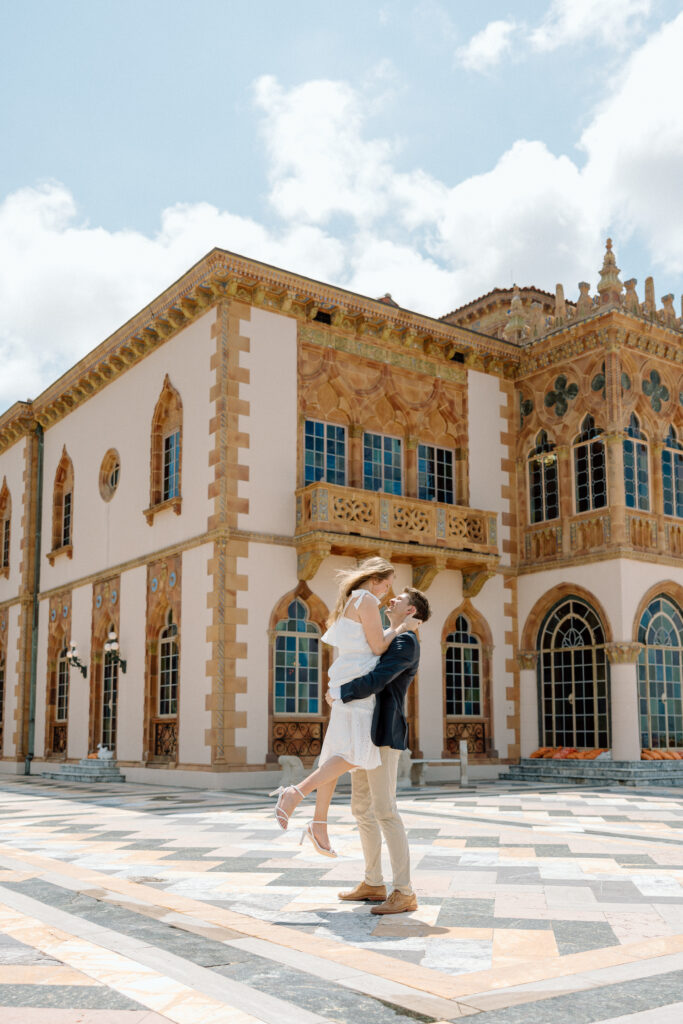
{"type": "Point", "coordinates": [36, 603]}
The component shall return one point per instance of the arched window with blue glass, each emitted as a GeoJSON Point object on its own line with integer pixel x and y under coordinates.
{"type": "Point", "coordinates": [544, 495]}
{"type": "Point", "coordinates": [672, 474]}
{"type": "Point", "coordinates": [590, 470]}
{"type": "Point", "coordinates": [660, 665]}
{"type": "Point", "coordinates": [297, 663]}
{"type": "Point", "coordinates": [636, 467]}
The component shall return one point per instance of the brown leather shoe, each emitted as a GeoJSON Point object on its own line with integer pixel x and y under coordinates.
{"type": "Point", "coordinates": [363, 891]}
{"type": "Point", "coordinates": [398, 903]}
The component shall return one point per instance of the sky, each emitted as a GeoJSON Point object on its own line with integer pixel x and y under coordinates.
{"type": "Point", "coordinates": [434, 150]}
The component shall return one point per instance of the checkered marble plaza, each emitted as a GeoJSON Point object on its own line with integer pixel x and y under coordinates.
{"type": "Point", "coordinates": [133, 903]}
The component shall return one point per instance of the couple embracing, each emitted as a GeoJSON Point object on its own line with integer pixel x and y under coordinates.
{"type": "Point", "coordinates": [367, 730]}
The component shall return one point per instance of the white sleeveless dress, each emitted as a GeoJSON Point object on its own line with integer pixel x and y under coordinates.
{"type": "Point", "coordinates": [348, 730]}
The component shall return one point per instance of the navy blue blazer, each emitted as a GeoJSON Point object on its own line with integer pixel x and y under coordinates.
{"type": "Point", "coordinates": [389, 680]}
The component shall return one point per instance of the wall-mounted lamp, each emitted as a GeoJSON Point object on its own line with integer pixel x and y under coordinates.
{"type": "Point", "coordinates": [74, 660]}
{"type": "Point", "coordinates": [111, 648]}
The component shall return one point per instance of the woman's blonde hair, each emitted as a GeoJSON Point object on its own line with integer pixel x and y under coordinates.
{"type": "Point", "coordinates": [354, 579]}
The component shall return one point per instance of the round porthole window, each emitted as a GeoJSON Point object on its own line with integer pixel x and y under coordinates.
{"type": "Point", "coordinates": [110, 472]}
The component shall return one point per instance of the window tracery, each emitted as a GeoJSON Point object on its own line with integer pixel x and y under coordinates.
{"type": "Point", "coordinates": [544, 497]}
{"type": "Point", "coordinates": [590, 470]}
{"type": "Point", "coordinates": [636, 467]}
{"type": "Point", "coordinates": [63, 506]}
{"type": "Point", "coordinates": [672, 474]}
{"type": "Point", "coordinates": [660, 674]}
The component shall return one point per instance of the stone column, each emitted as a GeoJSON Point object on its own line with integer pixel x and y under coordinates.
{"type": "Point", "coordinates": [565, 483]}
{"type": "Point", "coordinates": [616, 499]}
{"type": "Point", "coordinates": [624, 700]}
{"type": "Point", "coordinates": [355, 455]}
{"type": "Point", "coordinates": [657, 491]}
{"type": "Point", "coordinates": [411, 467]}
{"type": "Point", "coordinates": [528, 699]}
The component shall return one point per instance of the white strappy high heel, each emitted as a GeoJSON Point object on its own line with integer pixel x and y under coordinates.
{"type": "Point", "coordinates": [308, 831]}
{"type": "Point", "coordinates": [280, 814]}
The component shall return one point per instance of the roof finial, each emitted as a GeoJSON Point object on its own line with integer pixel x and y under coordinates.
{"type": "Point", "coordinates": [610, 287]}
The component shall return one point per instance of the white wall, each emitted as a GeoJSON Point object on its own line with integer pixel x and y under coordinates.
{"type": "Point", "coordinates": [618, 584]}
{"type": "Point", "coordinates": [485, 404]}
{"type": "Point", "coordinates": [444, 595]}
{"type": "Point", "coordinates": [131, 683]}
{"type": "Point", "coordinates": [272, 423]}
{"type": "Point", "coordinates": [10, 616]}
{"type": "Point", "coordinates": [271, 571]}
{"type": "Point", "coordinates": [41, 678]}
{"type": "Point", "coordinates": [195, 651]}
{"type": "Point", "coordinates": [490, 602]}
{"type": "Point", "coordinates": [12, 467]}
{"type": "Point", "coordinates": [120, 416]}
{"type": "Point", "coordinates": [79, 688]}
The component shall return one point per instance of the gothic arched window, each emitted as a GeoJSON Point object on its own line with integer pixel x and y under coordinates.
{"type": "Point", "coordinates": [463, 671]}
{"type": "Point", "coordinates": [166, 452]}
{"type": "Point", "coordinates": [544, 498]}
{"type": "Point", "coordinates": [590, 471]}
{"type": "Point", "coordinates": [167, 702]}
{"type": "Point", "coordinates": [2, 700]}
{"type": "Point", "coordinates": [636, 467]}
{"type": "Point", "coordinates": [110, 697]}
{"type": "Point", "coordinates": [5, 524]}
{"type": "Point", "coordinates": [660, 666]}
{"type": "Point", "coordinates": [672, 474]}
{"type": "Point", "coordinates": [63, 504]}
{"type": "Point", "coordinates": [574, 677]}
{"type": "Point", "coordinates": [296, 653]}
{"type": "Point", "coordinates": [62, 704]}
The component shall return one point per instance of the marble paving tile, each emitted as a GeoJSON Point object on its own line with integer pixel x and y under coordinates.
{"type": "Point", "coordinates": [524, 897]}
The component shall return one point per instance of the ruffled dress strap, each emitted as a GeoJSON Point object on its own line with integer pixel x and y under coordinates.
{"type": "Point", "coordinates": [357, 596]}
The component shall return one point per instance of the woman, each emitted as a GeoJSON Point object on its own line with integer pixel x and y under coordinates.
{"type": "Point", "coordinates": [355, 629]}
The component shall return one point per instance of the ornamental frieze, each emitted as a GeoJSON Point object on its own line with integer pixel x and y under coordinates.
{"type": "Point", "coordinates": [405, 360]}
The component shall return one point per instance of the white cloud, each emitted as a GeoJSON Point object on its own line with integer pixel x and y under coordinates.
{"type": "Point", "coordinates": [610, 22]}
{"type": "Point", "coordinates": [343, 212]}
{"type": "Point", "coordinates": [487, 47]}
{"type": "Point", "coordinates": [635, 147]}
{"type": "Point", "coordinates": [65, 285]}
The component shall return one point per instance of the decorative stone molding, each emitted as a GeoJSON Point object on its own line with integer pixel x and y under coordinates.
{"type": "Point", "coordinates": [309, 560]}
{"type": "Point", "coordinates": [424, 575]}
{"type": "Point", "coordinates": [623, 653]}
{"type": "Point", "coordinates": [527, 660]}
{"type": "Point", "coordinates": [472, 582]}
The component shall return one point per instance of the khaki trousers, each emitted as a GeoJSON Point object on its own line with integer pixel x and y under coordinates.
{"type": "Point", "coordinates": [373, 805]}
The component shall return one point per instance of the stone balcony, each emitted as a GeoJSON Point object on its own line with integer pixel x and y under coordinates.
{"type": "Point", "coordinates": [431, 536]}
{"type": "Point", "coordinates": [602, 530]}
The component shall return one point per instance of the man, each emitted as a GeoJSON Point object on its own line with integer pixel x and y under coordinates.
{"type": "Point", "coordinates": [373, 793]}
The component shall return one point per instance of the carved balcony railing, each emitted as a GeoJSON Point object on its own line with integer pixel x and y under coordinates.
{"type": "Point", "coordinates": [588, 532]}
{"type": "Point", "coordinates": [542, 542]}
{"type": "Point", "coordinates": [348, 510]}
{"type": "Point", "coordinates": [641, 530]}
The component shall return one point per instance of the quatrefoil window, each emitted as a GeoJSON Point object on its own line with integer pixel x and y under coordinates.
{"type": "Point", "coordinates": [655, 390]}
{"type": "Point", "coordinates": [561, 395]}
{"type": "Point", "coordinates": [526, 407]}
{"type": "Point", "coordinates": [598, 382]}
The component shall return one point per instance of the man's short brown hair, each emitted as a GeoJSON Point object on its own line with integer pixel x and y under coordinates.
{"type": "Point", "coordinates": [419, 602]}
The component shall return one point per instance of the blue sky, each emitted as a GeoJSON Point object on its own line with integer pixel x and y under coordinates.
{"type": "Point", "coordinates": [430, 149]}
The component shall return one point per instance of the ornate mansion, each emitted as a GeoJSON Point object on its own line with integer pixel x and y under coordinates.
{"type": "Point", "coordinates": [174, 507]}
